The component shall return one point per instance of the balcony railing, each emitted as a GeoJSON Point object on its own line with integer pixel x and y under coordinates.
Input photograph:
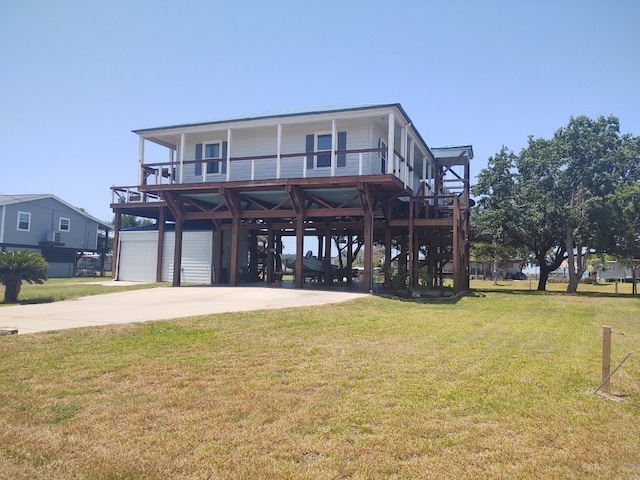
{"type": "Point", "coordinates": [245, 168]}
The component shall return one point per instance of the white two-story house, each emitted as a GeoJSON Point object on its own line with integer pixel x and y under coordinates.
{"type": "Point", "coordinates": [224, 194]}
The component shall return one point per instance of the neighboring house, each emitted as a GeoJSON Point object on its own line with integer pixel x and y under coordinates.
{"type": "Point", "coordinates": [507, 269]}
{"type": "Point", "coordinates": [49, 225]}
{"type": "Point", "coordinates": [615, 272]}
{"type": "Point", "coordinates": [320, 172]}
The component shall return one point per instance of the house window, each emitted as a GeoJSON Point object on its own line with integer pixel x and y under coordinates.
{"type": "Point", "coordinates": [211, 151]}
{"type": "Point", "coordinates": [323, 143]}
{"type": "Point", "coordinates": [24, 221]}
{"type": "Point", "coordinates": [64, 225]}
{"type": "Point", "coordinates": [318, 149]}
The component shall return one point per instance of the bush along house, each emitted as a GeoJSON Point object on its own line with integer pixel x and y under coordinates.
{"type": "Point", "coordinates": [224, 194]}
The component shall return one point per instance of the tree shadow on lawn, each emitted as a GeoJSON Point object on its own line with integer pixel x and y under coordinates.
{"type": "Point", "coordinates": [552, 292]}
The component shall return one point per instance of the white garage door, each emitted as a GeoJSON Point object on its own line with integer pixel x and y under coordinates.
{"type": "Point", "coordinates": [196, 257]}
{"type": "Point", "coordinates": [138, 256]}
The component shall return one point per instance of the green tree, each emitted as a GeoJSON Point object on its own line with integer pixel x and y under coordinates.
{"type": "Point", "coordinates": [517, 209]}
{"type": "Point", "coordinates": [20, 266]}
{"type": "Point", "coordinates": [553, 198]}
{"type": "Point", "coordinates": [624, 232]}
{"type": "Point", "coordinates": [592, 165]}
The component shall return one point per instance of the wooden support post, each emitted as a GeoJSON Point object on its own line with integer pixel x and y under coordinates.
{"type": "Point", "coordinates": [253, 256]}
{"type": "Point", "coordinates": [233, 261]}
{"type": "Point", "coordinates": [177, 253]}
{"type": "Point", "coordinates": [115, 259]}
{"type": "Point", "coordinates": [217, 255]}
{"type": "Point", "coordinates": [328, 277]}
{"type": "Point", "coordinates": [160, 252]}
{"type": "Point", "coordinates": [368, 252]}
{"type": "Point", "coordinates": [349, 258]}
{"type": "Point", "coordinates": [606, 359]}
{"type": "Point", "coordinates": [299, 252]}
{"type": "Point", "coordinates": [387, 256]}
{"type": "Point", "coordinates": [270, 252]}
{"type": "Point", "coordinates": [458, 247]}
{"type": "Point", "coordinates": [410, 237]}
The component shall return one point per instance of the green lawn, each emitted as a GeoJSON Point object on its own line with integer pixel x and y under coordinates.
{"type": "Point", "coordinates": [497, 384]}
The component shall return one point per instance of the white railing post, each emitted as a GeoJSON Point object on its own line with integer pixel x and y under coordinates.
{"type": "Point", "coordinates": [334, 142]}
{"type": "Point", "coordinates": [278, 150]}
{"type": "Point", "coordinates": [183, 141]}
{"type": "Point", "coordinates": [360, 163]}
{"type": "Point", "coordinates": [253, 169]}
{"type": "Point", "coordinates": [140, 160]}
{"type": "Point", "coordinates": [228, 159]}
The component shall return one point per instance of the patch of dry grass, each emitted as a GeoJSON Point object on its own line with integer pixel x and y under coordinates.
{"type": "Point", "coordinates": [495, 385]}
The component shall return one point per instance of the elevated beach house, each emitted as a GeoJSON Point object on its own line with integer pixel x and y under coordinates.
{"type": "Point", "coordinates": [223, 194]}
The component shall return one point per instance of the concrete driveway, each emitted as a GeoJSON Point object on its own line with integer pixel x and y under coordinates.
{"type": "Point", "coordinates": [160, 303]}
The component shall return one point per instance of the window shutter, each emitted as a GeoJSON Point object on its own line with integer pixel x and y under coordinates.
{"type": "Point", "coordinates": [223, 170]}
{"type": "Point", "coordinates": [311, 140]}
{"type": "Point", "coordinates": [342, 146]}
{"type": "Point", "coordinates": [198, 157]}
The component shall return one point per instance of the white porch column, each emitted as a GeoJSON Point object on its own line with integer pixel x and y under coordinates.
{"type": "Point", "coordinates": [402, 172]}
{"type": "Point", "coordinates": [172, 153]}
{"type": "Point", "coordinates": [391, 137]}
{"type": "Point", "coordinates": [424, 169]}
{"type": "Point", "coordinates": [411, 162]}
{"type": "Point", "coordinates": [278, 151]}
{"type": "Point", "coordinates": [334, 141]}
{"type": "Point", "coordinates": [228, 160]}
{"type": "Point", "coordinates": [140, 160]}
{"type": "Point", "coordinates": [183, 141]}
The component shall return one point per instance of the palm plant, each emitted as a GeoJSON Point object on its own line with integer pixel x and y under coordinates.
{"type": "Point", "coordinates": [19, 266]}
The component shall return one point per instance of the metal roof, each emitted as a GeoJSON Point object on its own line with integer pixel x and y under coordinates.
{"type": "Point", "coordinates": [289, 112]}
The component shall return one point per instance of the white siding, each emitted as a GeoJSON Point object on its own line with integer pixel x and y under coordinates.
{"type": "Point", "coordinates": [263, 141]}
{"type": "Point", "coordinates": [138, 256]}
{"type": "Point", "coordinates": [196, 257]}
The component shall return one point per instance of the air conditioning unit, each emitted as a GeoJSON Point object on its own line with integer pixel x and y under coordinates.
{"type": "Point", "coordinates": [54, 237]}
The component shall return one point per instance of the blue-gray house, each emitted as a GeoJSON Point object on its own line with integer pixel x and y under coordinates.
{"type": "Point", "coordinates": [49, 225]}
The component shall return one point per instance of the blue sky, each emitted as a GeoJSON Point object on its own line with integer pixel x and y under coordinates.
{"type": "Point", "coordinates": [77, 76]}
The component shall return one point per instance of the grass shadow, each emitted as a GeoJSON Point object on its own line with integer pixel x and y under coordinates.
{"type": "Point", "coordinates": [554, 292]}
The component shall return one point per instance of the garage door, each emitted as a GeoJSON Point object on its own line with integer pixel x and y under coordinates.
{"type": "Point", "coordinates": [196, 257]}
{"type": "Point", "coordinates": [138, 256]}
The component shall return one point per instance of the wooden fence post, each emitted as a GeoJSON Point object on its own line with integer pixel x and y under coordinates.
{"type": "Point", "coordinates": [606, 359]}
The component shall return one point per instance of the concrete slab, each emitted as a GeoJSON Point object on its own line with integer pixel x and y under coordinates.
{"type": "Point", "coordinates": [160, 303]}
